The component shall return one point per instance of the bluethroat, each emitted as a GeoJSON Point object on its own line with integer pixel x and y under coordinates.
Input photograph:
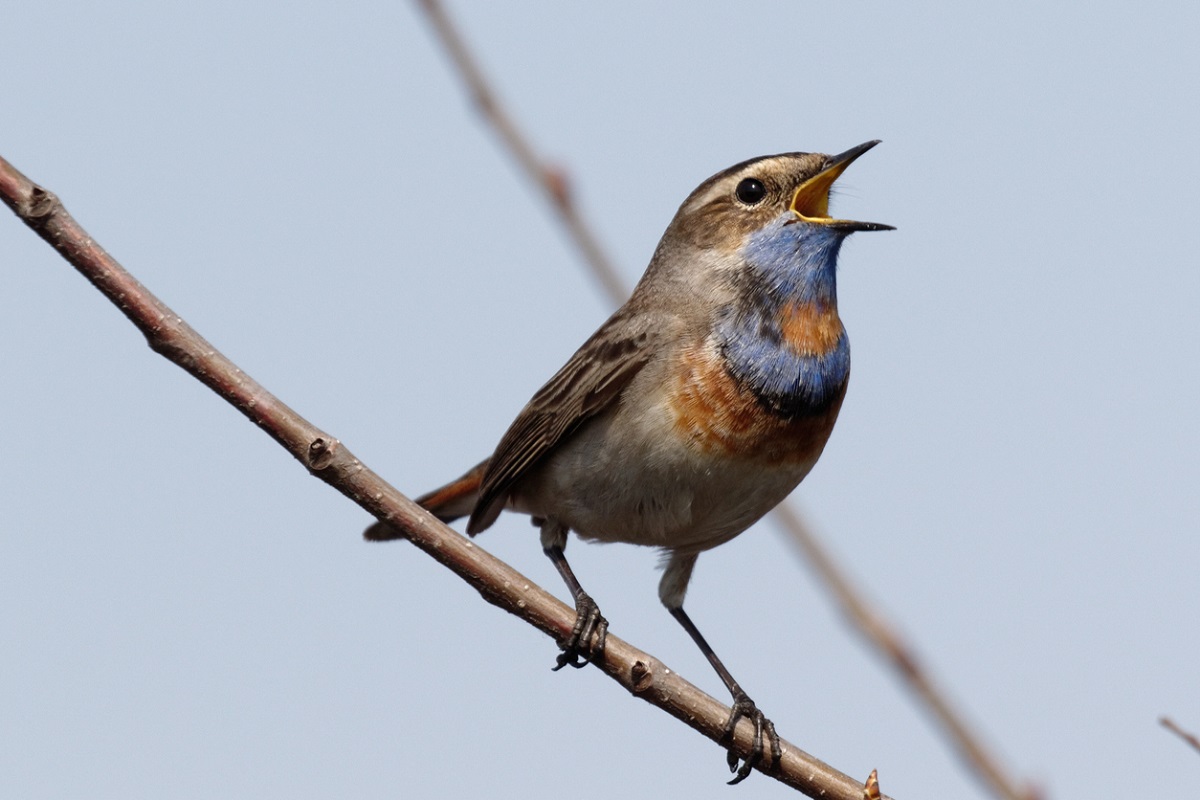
{"type": "Point", "coordinates": [696, 408]}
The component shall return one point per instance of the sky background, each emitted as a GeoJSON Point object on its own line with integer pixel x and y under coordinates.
{"type": "Point", "coordinates": [1014, 478]}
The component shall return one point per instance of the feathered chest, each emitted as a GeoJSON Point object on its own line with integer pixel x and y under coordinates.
{"type": "Point", "coordinates": [795, 359]}
{"type": "Point", "coordinates": [766, 385]}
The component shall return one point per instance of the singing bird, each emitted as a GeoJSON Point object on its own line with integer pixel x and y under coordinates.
{"type": "Point", "coordinates": [696, 408]}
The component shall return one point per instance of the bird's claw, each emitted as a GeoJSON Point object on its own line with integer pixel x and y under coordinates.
{"type": "Point", "coordinates": [586, 642]}
{"type": "Point", "coordinates": [743, 706]}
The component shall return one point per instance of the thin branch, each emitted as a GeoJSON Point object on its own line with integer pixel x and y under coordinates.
{"type": "Point", "coordinates": [1170, 725]}
{"type": "Point", "coordinates": [904, 660]}
{"type": "Point", "coordinates": [326, 458]}
{"type": "Point", "coordinates": [553, 185]}
{"type": "Point", "coordinates": [552, 182]}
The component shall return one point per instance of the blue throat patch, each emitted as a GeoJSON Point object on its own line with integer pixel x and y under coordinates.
{"type": "Point", "coordinates": [789, 263]}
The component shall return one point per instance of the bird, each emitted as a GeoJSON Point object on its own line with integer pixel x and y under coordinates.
{"type": "Point", "coordinates": [695, 409]}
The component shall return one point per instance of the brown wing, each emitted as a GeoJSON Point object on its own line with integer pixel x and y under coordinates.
{"type": "Point", "coordinates": [589, 383]}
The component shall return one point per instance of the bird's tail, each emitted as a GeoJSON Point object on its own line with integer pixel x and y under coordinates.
{"type": "Point", "coordinates": [455, 499]}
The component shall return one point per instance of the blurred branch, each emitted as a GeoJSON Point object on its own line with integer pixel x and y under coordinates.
{"type": "Point", "coordinates": [903, 659]}
{"type": "Point", "coordinates": [326, 458]}
{"type": "Point", "coordinates": [553, 184]}
{"type": "Point", "coordinates": [1170, 725]}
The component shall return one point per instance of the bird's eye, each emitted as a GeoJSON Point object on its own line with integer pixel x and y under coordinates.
{"type": "Point", "coordinates": [750, 191]}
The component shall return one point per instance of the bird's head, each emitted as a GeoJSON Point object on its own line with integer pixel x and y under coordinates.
{"type": "Point", "coordinates": [766, 219]}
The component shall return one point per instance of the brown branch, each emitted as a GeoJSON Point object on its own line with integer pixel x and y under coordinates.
{"type": "Point", "coordinates": [904, 660]}
{"type": "Point", "coordinates": [1170, 725]}
{"type": "Point", "coordinates": [326, 458]}
{"type": "Point", "coordinates": [553, 184]}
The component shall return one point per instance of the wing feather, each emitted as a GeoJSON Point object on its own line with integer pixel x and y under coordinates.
{"type": "Point", "coordinates": [590, 382]}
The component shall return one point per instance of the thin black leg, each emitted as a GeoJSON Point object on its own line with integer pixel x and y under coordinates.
{"type": "Point", "coordinates": [579, 649]}
{"type": "Point", "coordinates": [743, 706]}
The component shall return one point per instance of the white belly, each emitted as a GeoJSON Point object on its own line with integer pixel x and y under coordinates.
{"type": "Point", "coordinates": [636, 481]}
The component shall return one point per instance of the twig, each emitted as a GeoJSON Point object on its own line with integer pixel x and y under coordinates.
{"type": "Point", "coordinates": [552, 184]}
{"type": "Point", "coordinates": [1170, 725]}
{"type": "Point", "coordinates": [902, 658]}
{"type": "Point", "coordinates": [326, 458]}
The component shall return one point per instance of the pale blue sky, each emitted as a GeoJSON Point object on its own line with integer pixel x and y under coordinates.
{"type": "Point", "coordinates": [184, 613]}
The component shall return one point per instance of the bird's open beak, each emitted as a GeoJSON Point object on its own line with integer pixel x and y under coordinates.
{"type": "Point", "coordinates": [811, 201]}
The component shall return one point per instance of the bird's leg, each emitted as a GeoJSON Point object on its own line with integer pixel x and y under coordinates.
{"type": "Point", "coordinates": [743, 706]}
{"type": "Point", "coordinates": [578, 649]}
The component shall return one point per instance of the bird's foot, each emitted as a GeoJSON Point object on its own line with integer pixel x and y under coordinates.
{"type": "Point", "coordinates": [586, 642]}
{"type": "Point", "coordinates": [743, 706]}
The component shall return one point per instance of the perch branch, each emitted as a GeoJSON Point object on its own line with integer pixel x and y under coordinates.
{"type": "Point", "coordinates": [326, 458]}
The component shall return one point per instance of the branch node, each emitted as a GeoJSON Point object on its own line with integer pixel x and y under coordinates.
{"type": "Point", "coordinates": [42, 203]}
{"type": "Point", "coordinates": [641, 677]}
{"type": "Point", "coordinates": [558, 184]}
{"type": "Point", "coordinates": [320, 453]}
{"type": "Point", "coordinates": [871, 790]}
